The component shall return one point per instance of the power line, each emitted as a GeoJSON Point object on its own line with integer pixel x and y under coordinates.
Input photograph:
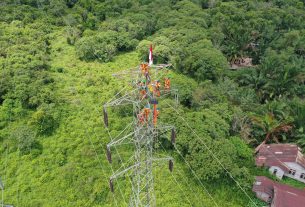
{"type": "Point", "coordinates": [100, 164]}
{"type": "Point", "coordinates": [188, 165]}
{"type": "Point", "coordinates": [212, 154]}
{"type": "Point", "coordinates": [115, 96]}
{"type": "Point", "coordinates": [107, 129]}
{"type": "Point", "coordinates": [113, 172]}
{"type": "Point", "coordinates": [188, 200]}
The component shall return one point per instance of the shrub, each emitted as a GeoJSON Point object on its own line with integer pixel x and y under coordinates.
{"type": "Point", "coordinates": [44, 120]}
{"type": "Point", "coordinates": [25, 138]}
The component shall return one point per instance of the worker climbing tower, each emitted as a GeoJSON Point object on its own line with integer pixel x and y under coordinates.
{"type": "Point", "coordinates": [149, 84]}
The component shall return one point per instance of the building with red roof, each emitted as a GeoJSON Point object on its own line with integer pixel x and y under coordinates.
{"type": "Point", "coordinates": [278, 195]}
{"type": "Point", "coordinates": [282, 160]}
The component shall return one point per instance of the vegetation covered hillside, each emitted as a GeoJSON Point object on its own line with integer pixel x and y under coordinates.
{"type": "Point", "coordinates": [57, 58]}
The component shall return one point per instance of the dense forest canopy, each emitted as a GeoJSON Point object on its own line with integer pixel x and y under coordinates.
{"type": "Point", "coordinates": [56, 63]}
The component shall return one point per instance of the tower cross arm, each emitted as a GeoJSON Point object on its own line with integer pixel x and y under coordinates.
{"type": "Point", "coordinates": [122, 172]}
{"type": "Point", "coordinates": [119, 141]}
{"type": "Point", "coordinates": [126, 99]}
{"type": "Point", "coordinates": [162, 159]}
{"type": "Point", "coordinates": [165, 128]}
{"type": "Point", "coordinates": [119, 174]}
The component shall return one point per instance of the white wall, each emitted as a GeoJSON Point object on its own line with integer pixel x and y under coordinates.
{"type": "Point", "coordinates": [279, 172]}
{"type": "Point", "coordinates": [263, 196]}
{"type": "Point", "coordinates": [299, 170]}
{"type": "Point", "coordinates": [272, 204]}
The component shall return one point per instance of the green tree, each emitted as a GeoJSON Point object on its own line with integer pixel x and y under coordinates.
{"type": "Point", "coordinates": [204, 62]}
{"type": "Point", "coordinates": [281, 70]}
{"type": "Point", "coordinates": [272, 128]}
{"type": "Point", "coordinates": [103, 46]}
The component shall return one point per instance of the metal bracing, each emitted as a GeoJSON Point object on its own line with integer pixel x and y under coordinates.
{"type": "Point", "coordinates": [120, 141]}
{"type": "Point", "coordinates": [126, 99]}
{"type": "Point", "coordinates": [144, 98]}
{"type": "Point", "coordinates": [164, 128]}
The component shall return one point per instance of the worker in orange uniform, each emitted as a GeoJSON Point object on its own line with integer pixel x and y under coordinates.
{"type": "Point", "coordinates": [167, 84]}
{"type": "Point", "coordinates": [143, 89]}
{"type": "Point", "coordinates": [145, 72]}
{"type": "Point", "coordinates": [157, 88]}
{"type": "Point", "coordinates": [156, 115]}
{"type": "Point", "coordinates": [146, 112]}
{"type": "Point", "coordinates": [143, 93]}
{"type": "Point", "coordinates": [141, 118]}
{"type": "Point", "coordinates": [144, 68]}
{"type": "Point", "coordinates": [154, 101]}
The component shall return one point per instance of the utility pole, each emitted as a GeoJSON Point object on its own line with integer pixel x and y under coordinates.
{"type": "Point", "coordinates": [147, 90]}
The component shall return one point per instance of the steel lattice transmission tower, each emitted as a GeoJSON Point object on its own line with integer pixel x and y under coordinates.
{"type": "Point", "coordinates": [147, 89]}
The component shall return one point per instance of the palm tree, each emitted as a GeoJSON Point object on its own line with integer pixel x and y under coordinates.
{"type": "Point", "coordinates": [258, 82]}
{"type": "Point", "coordinates": [272, 128]}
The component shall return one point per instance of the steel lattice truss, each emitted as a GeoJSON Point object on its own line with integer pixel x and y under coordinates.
{"type": "Point", "coordinates": [144, 96]}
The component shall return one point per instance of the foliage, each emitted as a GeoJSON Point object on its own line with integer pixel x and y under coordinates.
{"type": "Point", "coordinates": [214, 148]}
{"type": "Point", "coordinates": [44, 119]}
{"type": "Point", "coordinates": [103, 46]}
{"type": "Point", "coordinates": [271, 127]}
{"type": "Point", "coordinates": [56, 64]}
{"type": "Point", "coordinates": [25, 138]}
{"type": "Point", "coordinates": [281, 71]}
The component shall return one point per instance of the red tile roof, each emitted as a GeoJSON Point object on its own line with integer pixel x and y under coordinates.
{"type": "Point", "coordinates": [263, 185]}
{"type": "Point", "coordinates": [277, 154]}
{"type": "Point", "coordinates": [283, 195]}
{"type": "Point", "coordinates": [286, 196]}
